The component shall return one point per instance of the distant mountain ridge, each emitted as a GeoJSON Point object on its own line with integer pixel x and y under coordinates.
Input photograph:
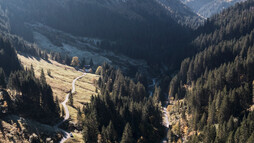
{"type": "Point", "coordinates": [207, 8]}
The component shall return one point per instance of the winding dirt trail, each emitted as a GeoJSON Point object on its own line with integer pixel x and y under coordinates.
{"type": "Point", "coordinates": [67, 113]}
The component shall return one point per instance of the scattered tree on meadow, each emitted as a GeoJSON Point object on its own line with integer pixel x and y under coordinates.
{"type": "Point", "coordinates": [71, 98]}
{"type": "Point", "coordinates": [49, 73]}
{"type": "Point", "coordinates": [98, 70]}
{"type": "Point", "coordinates": [75, 62]}
{"type": "Point", "coordinates": [42, 77]}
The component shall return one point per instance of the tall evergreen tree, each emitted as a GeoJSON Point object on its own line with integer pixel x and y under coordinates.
{"type": "Point", "coordinates": [127, 136]}
{"type": "Point", "coordinates": [32, 70]}
{"type": "Point", "coordinates": [42, 77]}
{"type": "Point", "coordinates": [91, 62]}
{"type": "Point", "coordinates": [58, 110]}
{"type": "Point", "coordinates": [111, 134]}
{"type": "Point", "coordinates": [63, 112]}
{"type": "Point", "coordinates": [2, 78]}
{"type": "Point", "coordinates": [71, 98]}
{"type": "Point", "coordinates": [224, 110]}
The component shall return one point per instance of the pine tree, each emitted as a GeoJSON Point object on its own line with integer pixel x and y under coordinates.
{"type": "Point", "coordinates": [230, 124]}
{"type": "Point", "coordinates": [2, 79]}
{"type": "Point", "coordinates": [183, 114]}
{"type": "Point", "coordinates": [224, 110]}
{"type": "Point", "coordinates": [237, 136]}
{"type": "Point", "coordinates": [111, 134]}
{"type": "Point", "coordinates": [244, 131]}
{"type": "Point", "coordinates": [230, 138]}
{"type": "Point", "coordinates": [211, 113]}
{"type": "Point", "coordinates": [202, 122]}
{"type": "Point", "coordinates": [42, 77]}
{"type": "Point", "coordinates": [169, 135]}
{"type": "Point", "coordinates": [32, 70]}
{"type": "Point", "coordinates": [91, 62]}
{"type": "Point", "coordinates": [251, 138]}
{"type": "Point", "coordinates": [85, 133]}
{"type": "Point", "coordinates": [157, 94]}
{"type": "Point", "coordinates": [209, 133]}
{"type": "Point", "coordinates": [83, 63]}
{"type": "Point", "coordinates": [63, 112]}
{"type": "Point", "coordinates": [71, 98]}
{"type": "Point", "coordinates": [127, 136]}
{"type": "Point", "coordinates": [79, 114]}
{"type": "Point", "coordinates": [57, 106]}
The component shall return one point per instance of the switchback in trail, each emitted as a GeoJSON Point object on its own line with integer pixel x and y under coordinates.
{"type": "Point", "coordinates": [67, 113]}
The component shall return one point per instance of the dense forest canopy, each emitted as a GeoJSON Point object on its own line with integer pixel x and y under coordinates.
{"type": "Point", "coordinates": [213, 90]}
{"type": "Point", "coordinates": [34, 97]}
{"type": "Point", "coordinates": [217, 82]}
{"type": "Point", "coordinates": [122, 112]}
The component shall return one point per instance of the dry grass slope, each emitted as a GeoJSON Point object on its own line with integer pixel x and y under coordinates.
{"type": "Point", "coordinates": [61, 82]}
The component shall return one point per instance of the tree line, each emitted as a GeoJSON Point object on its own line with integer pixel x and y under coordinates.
{"type": "Point", "coordinates": [217, 83]}
{"type": "Point", "coordinates": [33, 97]}
{"type": "Point", "coordinates": [122, 111]}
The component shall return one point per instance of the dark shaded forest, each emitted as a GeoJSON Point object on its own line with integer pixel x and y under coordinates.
{"type": "Point", "coordinates": [122, 112]}
{"type": "Point", "coordinates": [217, 83]}
{"type": "Point", "coordinates": [33, 97]}
{"type": "Point", "coordinates": [138, 29]}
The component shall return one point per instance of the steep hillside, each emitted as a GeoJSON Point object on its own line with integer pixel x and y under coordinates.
{"type": "Point", "coordinates": [26, 102]}
{"type": "Point", "coordinates": [217, 83]}
{"type": "Point", "coordinates": [181, 13]}
{"type": "Point", "coordinates": [207, 8]}
{"type": "Point", "coordinates": [60, 77]}
{"type": "Point", "coordinates": [128, 27]}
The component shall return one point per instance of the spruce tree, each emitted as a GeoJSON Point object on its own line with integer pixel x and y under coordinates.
{"type": "Point", "coordinates": [111, 133]}
{"type": "Point", "coordinates": [42, 77]}
{"type": "Point", "coordinates": [2, 79]}
{"type": "Point", "coordinates": [230, 124]}
{"type": "Point", "coordinates": [63, 112]}
{"type": "Point", "coordinates": [79, 114]}
{"type": "Point", "coordinates": [211, 113]}
{"type": "Point", "coordinates": [57, 105]}
{"type": "Point", "coordinates": [202, 121]}
{"type": "Point", "coordinates": [127, 136]}
{"type": "Point", "coordinates": [71, 98]}
{"type": "Point", "coordinates": [32, 70]}
{"type": "Point", "coordinates": [85, 133]}
{"type": "Point", "coordinates": [157, 94]}
{"type": "Point", "coordinates": [91, 62]}
{"type": "Point", "coordinates": [169, 135]}
{"type": "Point", "coordinates": [209, 133]}
{"type": "Point", "coordinates": [224, 110]}
{"type": "Point", "coordinates": [83, 63]}
{"type": "Point", "coordinates": [230, 138]}
{"type": "Point", "coordinates": [251, 138]}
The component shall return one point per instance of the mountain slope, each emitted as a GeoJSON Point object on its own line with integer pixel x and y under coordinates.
{"type": "Point", "coordinates": [129, 27]}
{"type": "Point", "coordinates": [181, 13]}
{"type": "Point", "coordinates": [217, 83]}
{"type": "Point", "coordinates": [207, 8]}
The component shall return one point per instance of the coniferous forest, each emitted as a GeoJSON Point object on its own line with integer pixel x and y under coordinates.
{"type": "Point", "coordinates": [217, 83]}
{"type": "Point", "coordinates": [34, 97]}
{"type": "Point", "coordinates": [203, 82]}
{"type": "Point", "coordinates": [122, 112]}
